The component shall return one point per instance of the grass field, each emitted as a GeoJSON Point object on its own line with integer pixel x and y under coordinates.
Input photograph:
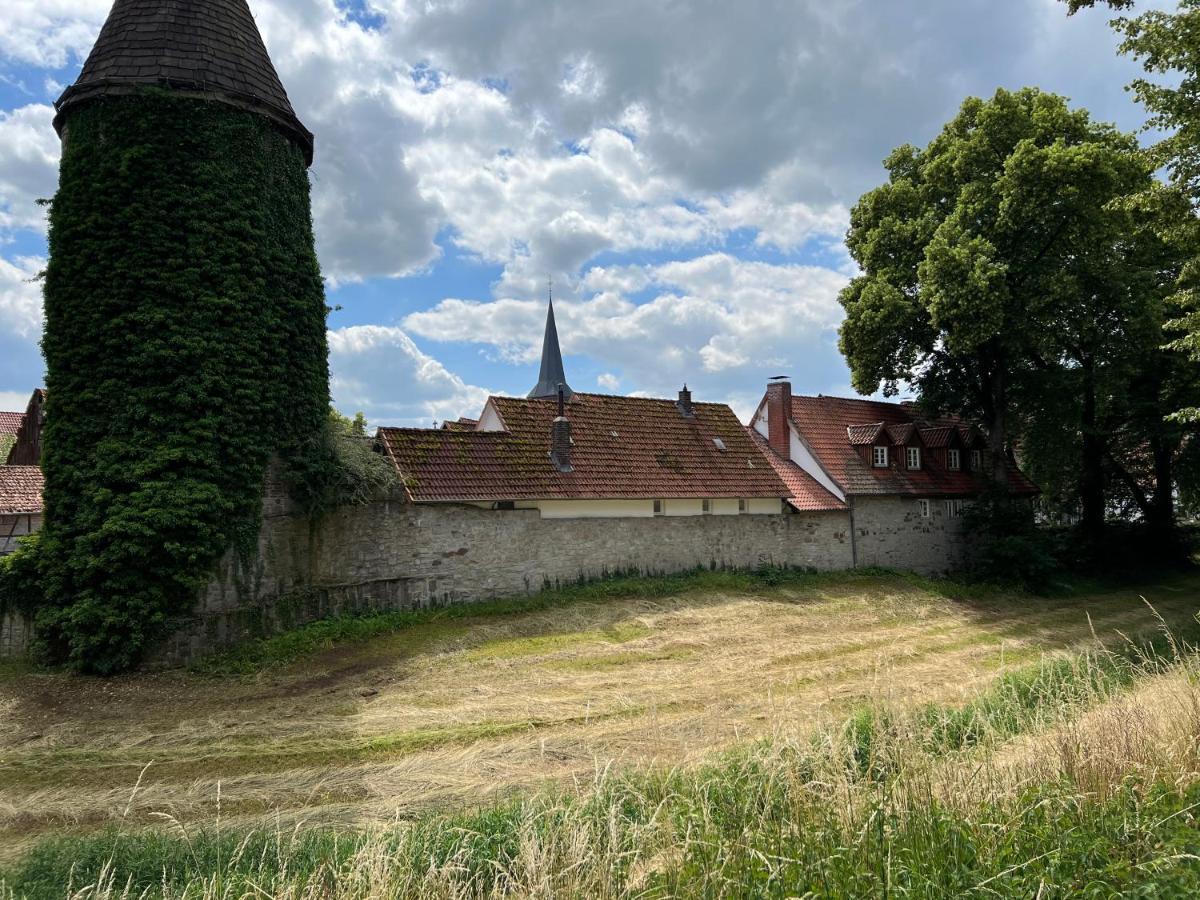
{"type": "Point", "coordinates": [461, 711]}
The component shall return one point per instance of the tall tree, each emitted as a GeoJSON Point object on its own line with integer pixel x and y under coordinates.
{"type": "Point", "coordinates": [980, 247]}
{"type": "Point", "coordinates": [1168, 43]}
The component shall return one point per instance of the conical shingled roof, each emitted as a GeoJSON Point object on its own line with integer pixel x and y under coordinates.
{"type": "Point", "coordinates": [551, 374]}
{"type": "Point", "coordinates": [210, 48]}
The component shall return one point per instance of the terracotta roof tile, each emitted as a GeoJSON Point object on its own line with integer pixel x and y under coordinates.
{"type": "Point", "coordinates": [623, 447]}
{"type": "Point", "coordinates": [861, 435]}
{"type": "Point", "coordinates": [806, 493]}
{"type": "Point", "coordinates": [826, 423]}
{"type": "Point", "coordinates": [939, 436]}
{"type": "Point", "coordinates": [20, 489]}
{"type": "Point", "coordinates": [10, 422]}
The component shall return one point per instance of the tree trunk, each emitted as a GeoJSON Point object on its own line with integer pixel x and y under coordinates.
{"type": "Point", "coordinates": [996, 409]}
{"type": "Point", "coordinates": [1091, 476]}
{"type": "Point", "coordinates": [1160, 517]}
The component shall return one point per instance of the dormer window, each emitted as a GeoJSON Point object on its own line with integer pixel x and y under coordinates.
{"type": "Point", "coordinates": [953, 460]}
{"type": "Point", "coordinates": [881, 457]}
{"type": "Point", "coordinates": [914, 457]}
{"type": "Point", "coordinates": [977, 460]}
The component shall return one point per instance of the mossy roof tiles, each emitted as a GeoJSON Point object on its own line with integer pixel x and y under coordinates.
{"type": "Point", "coordinates": [623, 447]}
{"type": "Point", "coordinates": [10, 422]}
{"type": "Point", "coordinates": [20, 489]}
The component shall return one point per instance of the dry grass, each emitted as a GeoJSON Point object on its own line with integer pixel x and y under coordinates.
{"type": "Point", "coordinates": [464, 712]}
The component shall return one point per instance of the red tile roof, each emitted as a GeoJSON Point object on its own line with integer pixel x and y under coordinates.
{"type": "Point", "coordinates": [623, 447]}
{"type": "Point", "coordinates": [461, 424]}
{"type": "Point", "coordinates": [939, 436]}
{"type": "Point", "coordinates": [20, 489]}
{"type": "Point", "coordinates": [10, 422]}
{"type": "Point", "coordinates": [806, 493]}
{"type": "Point", "coordinates": [902, 433]}
{"type": "Point", "coordinates": [829, 424]}
{"type": "Point", "coordinates": [864, 434]}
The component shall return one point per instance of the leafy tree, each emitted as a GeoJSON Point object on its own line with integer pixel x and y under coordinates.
{"type": "Point", "coordinates": [982, 246]}
{"type": "Point", "coordinates": [1168, 43]}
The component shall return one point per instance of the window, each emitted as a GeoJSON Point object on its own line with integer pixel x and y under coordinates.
{"type": "Point", "coordinates": [741, 506]}
{"type": "Point", "coordinates": [706, 506]}
{"type": "Point", "coordinates": [914, 457]}
{"type": "Point", "coordinates": [658, 507]}
{"type": "Point", "coordinates": [924, 505]}
{"type": "Point", "coordinates": [954, 460]}
{"type": "Point", "coordinates": [881, 457]}
{"type": "Point", "coordinates": [953, 509]}
{"type": "Point", "coordinates": [977, 460]}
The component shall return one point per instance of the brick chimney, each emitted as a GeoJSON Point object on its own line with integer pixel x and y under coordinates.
{"type": "Point", "coordinates": [779, 411]}
{"type": "Point", "coordinates": [560, 435]}
{"type": "Point", "coordinates": [685, 403]}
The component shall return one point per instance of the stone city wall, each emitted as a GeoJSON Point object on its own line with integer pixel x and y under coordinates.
{"type": "Point", "coordinates": [396, 556]}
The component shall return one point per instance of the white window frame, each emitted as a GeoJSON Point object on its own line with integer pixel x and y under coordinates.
{"type": "Point", "coordinates": [923, 506]}
{"type": "Point", "coordinates": [977, 460]}
{"type": "Point", "coordinates": [954, 459]}
{"type": "Point", "coordinates": [912, 455]}
{"type": "Point", "coordinates": [879, 457]}
{"type": "Point", "coordinates": [953, 509]}
{"type": "Point", "coordinates": [660, 508]}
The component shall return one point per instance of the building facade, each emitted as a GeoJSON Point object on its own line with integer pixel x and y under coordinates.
{"type": "Point", "coordinates": [903, 479]}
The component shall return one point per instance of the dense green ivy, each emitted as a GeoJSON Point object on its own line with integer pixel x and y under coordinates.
{"type": "Point", "coordinates": [185, 347]}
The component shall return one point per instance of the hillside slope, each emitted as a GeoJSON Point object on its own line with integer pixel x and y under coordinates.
{"type": "Point", "coordinates": [464, 709]}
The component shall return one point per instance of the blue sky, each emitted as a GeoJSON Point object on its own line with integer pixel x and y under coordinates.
{"type": "Point", "coordinates": [683, 172]}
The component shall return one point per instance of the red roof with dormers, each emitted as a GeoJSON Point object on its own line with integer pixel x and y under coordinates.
{"type": "Point", "coordinates": [20, 489]}
{"type": "Point", "coordinates": [833, 428]}
{"type": "Point", "coordinates": [623, 448]}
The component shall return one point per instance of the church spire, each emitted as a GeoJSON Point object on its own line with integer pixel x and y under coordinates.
{"type": "Point", "coordinates": [551, 374]}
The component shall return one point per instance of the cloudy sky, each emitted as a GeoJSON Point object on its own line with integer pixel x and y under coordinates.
{"type": "Point", "coordinates": [681, 169]}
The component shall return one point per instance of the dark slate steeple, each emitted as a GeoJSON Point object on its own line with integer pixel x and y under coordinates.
{"type": "Point", "coordinates": [552, 375]}
{"type": "Point", "coordinates": [210, 49]}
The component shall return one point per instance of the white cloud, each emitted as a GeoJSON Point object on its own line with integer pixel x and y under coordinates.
{"type": "Point", "coordinates": [21, 297]}
{"type": "Point", "coordinates": [711, 314]}
{"type": "Point", "coordinates": [47, 33]}
{"type": "Point", "coordinates": [608, 381]}
{"type": "Point", "coordinates": [28, 165]}
{"type": "Point", "coordinates": [379, 371]}
{"type": "Point", "coordinates": [14, 401]}
{"type": "Point", "coordinates": [538, 139]}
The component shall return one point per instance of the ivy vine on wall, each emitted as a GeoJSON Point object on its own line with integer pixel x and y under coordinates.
{"type": "Point", "coordinates": [185, 348]}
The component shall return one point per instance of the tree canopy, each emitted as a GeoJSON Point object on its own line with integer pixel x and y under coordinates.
{"type": "Point", "coordinates": [981, 246]}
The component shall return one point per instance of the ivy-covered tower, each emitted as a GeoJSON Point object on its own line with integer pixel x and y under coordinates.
{"type": "Point", "coordinates": [185, 323]}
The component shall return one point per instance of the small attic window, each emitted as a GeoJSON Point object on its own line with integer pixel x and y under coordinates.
{"type": "Point", "coordinates": [880, 458]}
{"type": "Point", "coordinates": [720, 444]}
{"type": "Point", "coordinates": [914, 457]}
